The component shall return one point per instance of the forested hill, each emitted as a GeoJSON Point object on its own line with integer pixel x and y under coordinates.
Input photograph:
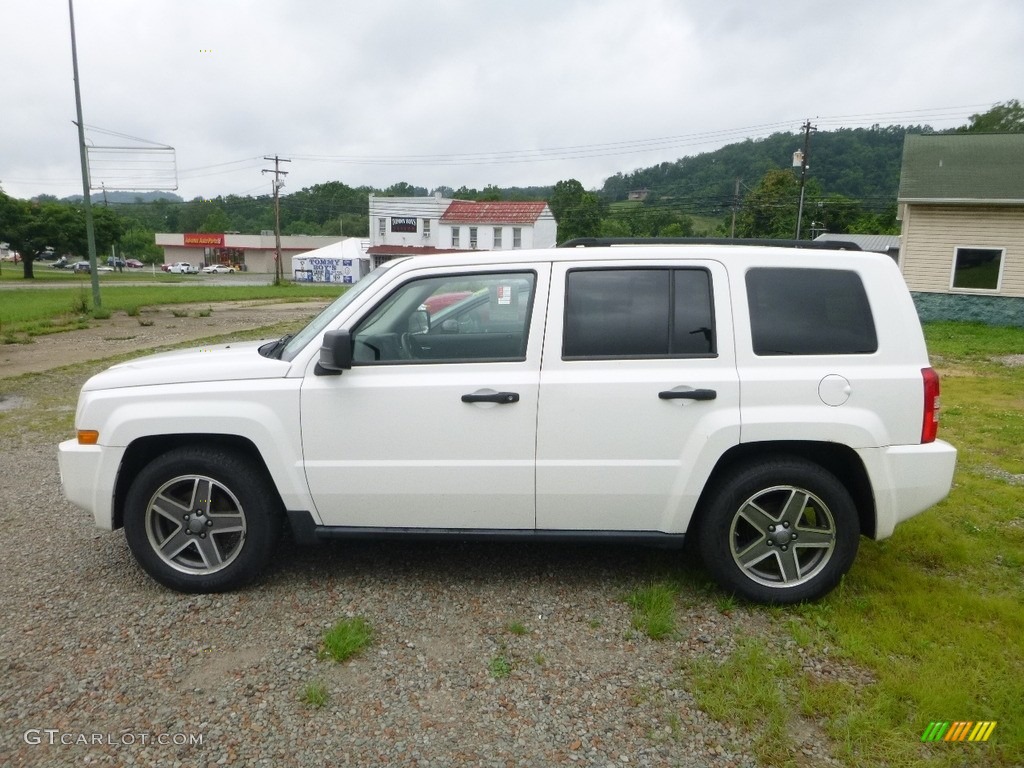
{"type": "Point", "coordinates": [859, 163]}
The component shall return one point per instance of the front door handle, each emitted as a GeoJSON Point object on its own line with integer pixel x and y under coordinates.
{"type": "Point", "coordinates": [502, 398]}
{"type": "Point", "coordinates": [688, 394]}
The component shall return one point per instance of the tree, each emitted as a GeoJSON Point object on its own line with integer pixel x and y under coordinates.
{"type": "Point", "coordinates": [577, 211]}
{"type": "Point", "coordinates": [14, 216]}
{"type": "Point", "coordinates": [770, 209]}
{"type": "Point", "coordinates": [1007, 117]}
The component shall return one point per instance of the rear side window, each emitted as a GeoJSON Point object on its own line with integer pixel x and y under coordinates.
{"type": "Point", "coordinates": [616, 313]}
{"type": "Point", "coordinates": [809, 312]}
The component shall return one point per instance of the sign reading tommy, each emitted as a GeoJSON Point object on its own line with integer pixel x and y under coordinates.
{"type": "Point", "coordinates": [403, 223]}
{"type": "Point", "coordinates": [204, 240]}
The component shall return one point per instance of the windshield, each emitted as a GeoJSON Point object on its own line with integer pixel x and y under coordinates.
{"type": "Point", "coordinates": [321, 321]}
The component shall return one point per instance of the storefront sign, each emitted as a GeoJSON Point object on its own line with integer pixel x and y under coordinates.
{"type": "Point", "coordinates": [403, 223]}
{"type": "Point", "coordinates": [203, 240]}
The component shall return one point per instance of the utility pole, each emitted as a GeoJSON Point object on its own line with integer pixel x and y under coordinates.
{"type": "Point", "coordinates": [90, 230]}
{"type": "Point", "coordinates": [803, 172]}
{"type": "Point", "coordinates": [735, 207]}
{"type": "Point", "coordinates": [277, 211]}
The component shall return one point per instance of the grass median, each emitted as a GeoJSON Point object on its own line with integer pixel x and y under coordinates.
{"type": "Point", "coordinates": [27, 313]}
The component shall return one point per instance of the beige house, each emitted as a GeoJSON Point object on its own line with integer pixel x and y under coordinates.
{"type": "Point", "coordinates": [961, 202]}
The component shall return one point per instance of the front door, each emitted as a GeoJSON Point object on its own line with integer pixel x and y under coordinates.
{"type": "Point", "coordinates": [434, 426]}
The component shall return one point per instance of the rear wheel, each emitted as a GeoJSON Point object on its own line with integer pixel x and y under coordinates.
{"type": "Point", "coordinates": [202, 520]}
{"type": "Point", "coordinates": [779, 531]}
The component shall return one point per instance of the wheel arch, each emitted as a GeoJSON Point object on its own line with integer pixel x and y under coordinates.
{"type": "Point", "coordinates": [841, 460]}
{"type": "Point", "coordinates": [143, 450]}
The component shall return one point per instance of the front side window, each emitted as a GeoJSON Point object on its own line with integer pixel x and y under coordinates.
{"type": "Point", "coordinates": [426, 227]}
{"type": "Point", "coordinates": [382, 227]}
{"type": "Point", "coordinates": [517, 237]}
{"type": "Point", "coordinates": [809, 312]}
{"type": "Point", "coordinates": [977, 268]}
{"type": "Point", "coordinates": [449, 319]}
{"type": "Point", "coordinates": [619, 313]}
{"type": "Point", "coordinates": [472, 238]}
{"type": "Point", "coordinates": [455, 237]}
{"type": "Point", "coordinates": [497, 238]}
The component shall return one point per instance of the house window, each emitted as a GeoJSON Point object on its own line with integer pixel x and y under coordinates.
{"type": "Point", "coordinates": [382, 227]}
{"type": "Point", "coordinates": [497, 238]}
{"type": "Point", "coordinates": [517, 237]}
{"type": "Point", "coordinates": [472, 238]}
{"type": "Point", "coordinates": [977, 268]}
{"type": "Point", "coordinates": [426, 228]}
{"type": "Point", "coordinates": [455, 237]}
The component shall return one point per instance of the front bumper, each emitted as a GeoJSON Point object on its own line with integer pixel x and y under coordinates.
{"type": "Point", "coordinates": [88, 474]}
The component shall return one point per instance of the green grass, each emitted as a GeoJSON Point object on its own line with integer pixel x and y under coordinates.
{"type": "Point", "coordinates": [499, 666]}
{"type": "Point", "coordinates": [347, 638]}
{"type": "Point", "coordinates": [654, 610]}
{"type": "Point", "coordinates": [517, 628]}
{"type": "Point", "coordinates": [314, 695]}
{"type": "Point", "coordinates": [35, 311]}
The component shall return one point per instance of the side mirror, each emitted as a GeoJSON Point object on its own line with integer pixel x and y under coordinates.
{"type": "Point", "coordinates": [335, 353]}
{"type": "Point", "coordinates": [419, 322]}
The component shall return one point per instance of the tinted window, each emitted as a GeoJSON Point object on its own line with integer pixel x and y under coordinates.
{"type": "Point", "coordinates": [809, 312]}
{"type": "Point", "coordinates": [637, 313]}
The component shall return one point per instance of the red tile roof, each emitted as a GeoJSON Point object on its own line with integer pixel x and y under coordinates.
{"type": "Point", "coordinates": [469, 212]}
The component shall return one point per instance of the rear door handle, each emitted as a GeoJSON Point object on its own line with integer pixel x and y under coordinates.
{"type": "Point", "coordinates": [502, 398]}
{"type": "Point", "coordinates": [688, 394]}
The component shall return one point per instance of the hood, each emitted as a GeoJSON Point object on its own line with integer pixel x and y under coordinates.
{"type": "Point", "coordinates": [219, 362]}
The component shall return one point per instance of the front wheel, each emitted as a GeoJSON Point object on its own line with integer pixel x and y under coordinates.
{"type": "Point", "coordinates": [202, 520]}
{"type": "Point", "coordinates": [779, 531]}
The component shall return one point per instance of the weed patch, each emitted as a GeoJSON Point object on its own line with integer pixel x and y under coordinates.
{"type": "Point", "coordinates": [347, 638]}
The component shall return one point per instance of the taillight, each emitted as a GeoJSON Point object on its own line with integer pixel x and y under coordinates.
{"type": "Point", "coordinates": [930, 424]}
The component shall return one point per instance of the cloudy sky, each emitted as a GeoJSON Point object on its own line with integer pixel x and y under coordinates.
{"type": "Point", "coordinates": [471, 92]}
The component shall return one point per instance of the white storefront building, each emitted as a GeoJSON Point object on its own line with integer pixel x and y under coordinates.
{"type": "Point", "coordinates": [252, 253]}
{"type": "Point", "coordinates": [418, 226]}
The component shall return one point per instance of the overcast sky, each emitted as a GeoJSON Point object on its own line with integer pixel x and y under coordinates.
{"type": "Point", "coordinates": [473, 92]}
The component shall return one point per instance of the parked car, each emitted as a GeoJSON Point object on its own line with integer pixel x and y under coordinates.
{"type": "Point", "coordinates": [133, 264]}
{"type": "Point", "coordinates": [81, 266]}
{"type": "Point", "coordinates": [115, 262]}
{"type": "Point", "coordinates": [217, 269]}
{"type": "Point", "coordinates": [771, 404]}
{"type": "Point", "coordinates": [182, 268]}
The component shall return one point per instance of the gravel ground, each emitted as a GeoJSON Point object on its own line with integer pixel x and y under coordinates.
{"type": "Point", "coordinates": [99, 665]}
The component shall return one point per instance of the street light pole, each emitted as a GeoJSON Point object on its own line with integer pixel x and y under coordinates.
{"type": "Point", "coordinates": [90, 230]}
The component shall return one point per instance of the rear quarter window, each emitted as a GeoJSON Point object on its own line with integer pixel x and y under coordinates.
{"type": "Point", "coordinates": [809, 312]}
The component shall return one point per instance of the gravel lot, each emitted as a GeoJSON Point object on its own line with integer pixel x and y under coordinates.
{"type": "Point", "coordinates": [101, 666]}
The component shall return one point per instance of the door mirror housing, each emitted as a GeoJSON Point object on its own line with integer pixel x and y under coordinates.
{"type": "Point", "coordinates": [419, 322]}
{"type": "Point", "coordinates": [335, 353]}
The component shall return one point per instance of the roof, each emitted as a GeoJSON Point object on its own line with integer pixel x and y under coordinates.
{"type": "Point", "coordinates": [878, 243]}
{"type": "Point", "coordinates": [963, 168]}
{"type": "Point", "coordinates": [469, 212]}
{"type": "Point", "coordinates": [409, 250]}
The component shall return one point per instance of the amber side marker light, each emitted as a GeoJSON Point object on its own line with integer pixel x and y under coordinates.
{"type": "Point", "coordinates": [88, 437]}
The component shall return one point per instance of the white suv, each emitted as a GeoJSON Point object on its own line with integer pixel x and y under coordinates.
{"type": "Point", "coordinates": [774, 403]}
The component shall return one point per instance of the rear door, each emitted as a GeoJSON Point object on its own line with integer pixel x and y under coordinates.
{"type": "Point", "coordinates": [639, 394]}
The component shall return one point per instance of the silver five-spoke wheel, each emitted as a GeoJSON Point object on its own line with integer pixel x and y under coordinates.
{"type": "Point", "coordinates": [782, 535]}
{"type": "Point", "coordinates": [202, 519]}
{"type": "Point", "coordinates": [778, 530]}
{"type": "Point", "coordinates": [195, 524]}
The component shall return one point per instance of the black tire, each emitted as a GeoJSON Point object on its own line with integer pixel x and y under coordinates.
{"type": "Point", "coordinates": [780, 530]}
{"type": "Point", "coordinates": [202, 519]}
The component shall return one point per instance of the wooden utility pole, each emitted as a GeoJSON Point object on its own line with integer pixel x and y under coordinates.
{"type": "Point", "coordinates": [278, 173]}
{"type": "Point", "coordinates": [90, 230]}
{"type": "Point", "coordinates": [803, 173]}
{"type": "Point", "coordinates": [735, 207]}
